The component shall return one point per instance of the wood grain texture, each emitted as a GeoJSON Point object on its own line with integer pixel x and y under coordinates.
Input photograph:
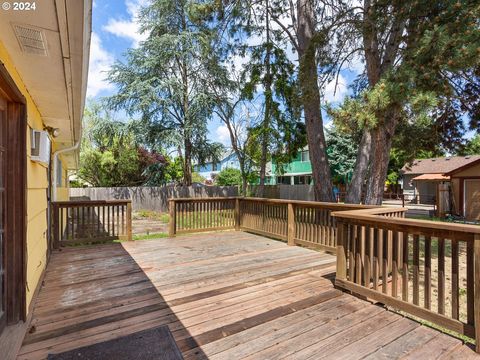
{"type": "Point", "coordinates": [226, 295]}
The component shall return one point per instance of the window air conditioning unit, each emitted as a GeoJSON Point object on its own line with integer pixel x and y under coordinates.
{"type": "Point", "coordinates": [41, 144]}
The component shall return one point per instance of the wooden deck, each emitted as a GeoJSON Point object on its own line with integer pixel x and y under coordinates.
{"type": "Point", "coordinates": [229, 295]}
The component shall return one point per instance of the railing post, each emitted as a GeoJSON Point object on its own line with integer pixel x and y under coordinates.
{"type": "Point", "coordinates": [291, 224]}
{"type": "Point", "coordinates": [56, 230]}
{"type": "Point", "coordinates": [476, 277]}
{"type": "Point", "coordinates": [341, 253]}
{"type": "Point", "coordinates": [237, 214]}
{"type": "Point", "coordinates": [172, 218]}
{"type": "Point", "coordinates": [129, 221]}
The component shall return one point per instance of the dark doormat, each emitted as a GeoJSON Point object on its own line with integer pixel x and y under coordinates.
{"type": "Point", "coordinates": [152, 344]}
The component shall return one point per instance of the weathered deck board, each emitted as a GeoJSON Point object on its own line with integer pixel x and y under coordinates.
{"type": "Point", "coordinates": [229, 295]}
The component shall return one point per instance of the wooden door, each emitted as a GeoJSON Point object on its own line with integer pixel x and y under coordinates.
{"type": "Point", "coordinates": [3, 150]}
{"type": "Point", "coordinates": [13, 127]}
{"type": "Point", "coordinates": [472, 199]}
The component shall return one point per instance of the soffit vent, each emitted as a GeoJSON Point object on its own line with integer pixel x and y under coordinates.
{"type": "Point", "coordinates": [31, 40]}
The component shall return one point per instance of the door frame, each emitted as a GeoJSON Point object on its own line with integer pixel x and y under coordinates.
{"type": "Point", "coordinates": [16, 198]}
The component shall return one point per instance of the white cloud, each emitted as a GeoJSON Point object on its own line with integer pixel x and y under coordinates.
{"type": "Point", "coordinates": [223, 135]}
{"type": "Point", "coordinates": [100, 62]}
{"type": "Point", "coordinates": [336, 90]}
{"type": "Point", "coordinates": [356, 64]}
{"type": "Point", "coordinates": [128, 28]}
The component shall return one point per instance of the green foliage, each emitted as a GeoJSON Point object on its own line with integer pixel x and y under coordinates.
{"type": "Point", "coordinates": [229, 177]}
{"type": "Point", "coordinates": [197, 178]}
{"type": "Point", "coordinates": [342, 152]}
{"type": "Point", "coordinates": [163, 80]}
{"type": "Point", "coordinates": [110, 155]}
{"type": "Point", "coordinates": [472, 147]}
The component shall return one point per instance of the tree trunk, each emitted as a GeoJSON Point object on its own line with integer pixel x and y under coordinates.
{"type": "Point", "coordinates": [354, 193]}
{"type": "Point", "coordinates": [311, 102]}
{"type": "Point", "coordinates": [187, 164]}
{"type": "Point", "coordinates": [373, 70]}
{"type": "Point", "coordinates": [382, 140]}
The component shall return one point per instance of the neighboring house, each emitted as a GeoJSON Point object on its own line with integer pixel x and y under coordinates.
{"type": "Point", "coordinates": [210, 169]}
{"type": "Point", "coordinates": [297, 172]}
{"type": "Point", "coordinates": [459, 174]}
{"type": "Point", "coordinates": [43, 74]}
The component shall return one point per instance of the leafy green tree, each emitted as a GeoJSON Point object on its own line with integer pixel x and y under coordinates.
{"type": "Point", "coordinates": [229, 177]}
{"type": "Point", "coordinates": [287, 26]}
{"type": "Point", "coordinates": [472, 147]}
{"type": "Point", "coordinates": [164, 80]}
{"type": "Point", "coordinates": [110, 155]}
{"type": "Point", "coordinates": [417, 55]}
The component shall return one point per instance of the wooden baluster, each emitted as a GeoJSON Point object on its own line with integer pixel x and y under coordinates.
{"type": "Point", "coordinates": [416, 265]}
{"type": "Point", "coordinates": [395, 264]}
{"type": "Point", "coordinates": [197, 215]}
{"type": "Point", "coordinates": [103, 220]}
{"type": "Point", "coordinates": [62, 238]}
{"type": "Point", "coordinates": [428, 272]}
{"type": "Point", "coordinates": [441, 276]}
{"type": "Point", "coordinates": [476, 279]}
{"type": "Point", "coordinates": [129, 221]}
{"type": "Point", "coordinates": [291, 224]}
{"type": "Point", "coordinates": [171, 220]}
{"type": "Point", "coordinates": [359, 254]}
{"type": "Point", "coordinates": [99, 221]}
{"type": "Point", "coordinates": [118, 220]}
{"type": "Point", "coordinates": [342, 233]}
{"type": "Point", "coordinates": [375, 261]}
{"type": "Point", "coordinates": [385, 253]}
{"type": "Point", "coordinates": [368, 256]}
{"type": "Point", "coordinates": [455, 282]}
{"type": "Point", "coordinates": [352, 241]}
{"type": "Point", "coordinates": [312, 237]}
{"type": "Point", "coordinates": [108, 220]}
{"type": "Point", "coordinates": [405, 256]}
{"type": "Point", "coordinates": [470, 283]}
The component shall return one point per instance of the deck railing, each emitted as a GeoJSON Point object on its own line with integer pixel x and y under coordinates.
{"type": "Point", "coordinates": [297, 222]}
{"type": "Point", "coordinates": [427, 269]}
{"type": "Point", "coordinates": [77, 222]}
{"type": "Point", "coordinates": [202, 214]}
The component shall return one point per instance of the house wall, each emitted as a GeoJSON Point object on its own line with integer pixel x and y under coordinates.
{"type": "Point", "coordinates": [408, 186]}
{"type": "Point", "coordinates": [37, 185]}
{"type": "Point", "coordinates": [472, 172]}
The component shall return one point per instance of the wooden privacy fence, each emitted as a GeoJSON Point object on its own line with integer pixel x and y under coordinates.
{"type": "Point", "coordinates": [76, 222]}
{"type": "Point", "coordinates": [297, 222]}
{"type": "Point", "coordinates": [428, 269]}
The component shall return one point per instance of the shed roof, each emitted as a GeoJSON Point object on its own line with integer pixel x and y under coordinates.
{"type": "Point", "coordinates": [431, 177]}
{"type": "Point", "coordinates": [442, 165]}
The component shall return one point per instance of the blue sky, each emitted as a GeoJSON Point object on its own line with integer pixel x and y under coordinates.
{"type": "Point", "coordinates": [115, 30]}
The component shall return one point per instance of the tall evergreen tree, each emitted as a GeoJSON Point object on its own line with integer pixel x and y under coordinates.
{"type": "Point", "coordinates": [164, 79]}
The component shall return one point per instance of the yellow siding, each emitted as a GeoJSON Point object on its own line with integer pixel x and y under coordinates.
{"type": "Point", "coordinates": [37, 185]}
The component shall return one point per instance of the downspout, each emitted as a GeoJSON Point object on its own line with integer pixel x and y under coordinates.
{"type": "Point", "coordinates": [55, 164]}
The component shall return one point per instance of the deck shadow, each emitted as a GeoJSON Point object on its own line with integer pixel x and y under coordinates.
{"type": "Point", "coordinates": [91, 295]}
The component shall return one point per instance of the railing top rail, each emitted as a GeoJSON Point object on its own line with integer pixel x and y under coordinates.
{"type": "Point", "coordinates": [91, 202]}
{"type": "Point", "coordinates": [280, 201]}
{"type": "Point", "coordinates": [199, 199]}
{"type": "Point", "coordinates": [312, 203]}
{"type": "Point", "coordinates": [369, 217]}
